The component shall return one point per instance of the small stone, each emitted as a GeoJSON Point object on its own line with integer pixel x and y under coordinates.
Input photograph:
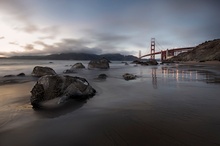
{"type": "Point", "coordinates": [7, 76]}
{"type": "Point", "coordinates": [102, 76]}
{"type": "Point", "coordinates": [128, 76]}
{"type": "Point", "coordinates": [21, 75]}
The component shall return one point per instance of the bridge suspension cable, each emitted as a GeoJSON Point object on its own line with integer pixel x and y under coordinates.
{"type": "Point", "coordinates": [159, 46]}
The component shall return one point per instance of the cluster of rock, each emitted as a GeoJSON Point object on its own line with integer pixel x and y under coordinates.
{"type": "Point", "coordinates": [50, 85]}
{"type": "Point", "coordinates": [102, 63]}
{"type": "Point", "coordinates": [207, 51]}
{"type": "Point", "coordinates": [148, 62]}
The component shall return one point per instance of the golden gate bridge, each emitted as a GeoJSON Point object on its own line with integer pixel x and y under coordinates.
{"type": "Point", "coordinates": [165, 54]}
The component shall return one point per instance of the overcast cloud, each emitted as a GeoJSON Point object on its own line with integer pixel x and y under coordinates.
{"type": "Point", "coordinates": [106, 26]}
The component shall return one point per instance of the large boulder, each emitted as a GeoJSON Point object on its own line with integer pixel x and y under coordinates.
{"type": "Point", "coordinates": [101, 64]}
{"type": "Point", "coordinates": [62, 86]}
{"type": "Point", "coordinates": [40, 71]}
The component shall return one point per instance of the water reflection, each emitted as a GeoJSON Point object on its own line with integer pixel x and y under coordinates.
{"type": "Point", "coordinates": [190, 74]}
{"type": "Point", "coordinates": [179, 75]}
{"type": "Point", "coordinates": [154, 78]}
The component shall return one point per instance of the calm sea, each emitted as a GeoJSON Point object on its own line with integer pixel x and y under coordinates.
{"type": "Point", "coordinates": [175, 72]}
{"type": "Point", "coordinates": [12, 66]}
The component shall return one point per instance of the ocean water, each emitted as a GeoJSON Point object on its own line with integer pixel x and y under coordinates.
{"type": "Point", "coordinates": [173, 104]}
{"type": "Point", "coordinates": [175, 72]}
{"type": "Point", "coordinates": [11, 66]}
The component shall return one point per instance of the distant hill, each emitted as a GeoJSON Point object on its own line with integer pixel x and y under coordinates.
{"type": "Point", "coordinates": [207, 51]}
{"type": "Point", "coordinates": [78, 56]}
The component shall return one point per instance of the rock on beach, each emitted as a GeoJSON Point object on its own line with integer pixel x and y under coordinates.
{"type": "Point", "coordinates": [100, 64]}
{"type": "Point", "coordinates": [52, 86]}
{"type": "Point", "coordinates": [40, 71]}
{"type": "Point", "coordinates": [74, 68]}
{"type": "Point", "coordinates": [77, 66]}
{"type": "Point", "coordinates": [102, 76]}
{"type": "Point", "coordinates": [128, 76]}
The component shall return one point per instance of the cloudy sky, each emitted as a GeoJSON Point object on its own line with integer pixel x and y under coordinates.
{"type": "Point", "coordinates": [40, 27]}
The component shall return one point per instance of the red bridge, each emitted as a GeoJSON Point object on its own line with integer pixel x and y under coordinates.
{"type": "Point", "coordinates": [165, 54]}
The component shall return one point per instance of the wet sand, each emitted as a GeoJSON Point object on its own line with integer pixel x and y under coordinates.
{"type": "Point", "coordinates": [166, 105]}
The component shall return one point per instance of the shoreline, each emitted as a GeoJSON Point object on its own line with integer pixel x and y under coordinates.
{"type": "Point", "coordinates": [200, 63]}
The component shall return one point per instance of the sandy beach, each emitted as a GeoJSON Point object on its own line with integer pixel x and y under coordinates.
{"type": "Point", "coordinates": [175, 104]}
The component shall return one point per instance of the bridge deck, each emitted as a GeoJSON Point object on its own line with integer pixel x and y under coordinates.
{"type": "Point", "coordinates": [175, 50]}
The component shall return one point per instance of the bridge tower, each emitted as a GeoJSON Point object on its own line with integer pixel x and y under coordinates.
{"type": "Point", "coordinates": [152, 48]}
{"type": "Point", "coordinates": [139, 54]}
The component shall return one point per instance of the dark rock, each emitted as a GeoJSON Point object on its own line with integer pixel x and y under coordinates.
{"type": "Point", "coordinates": [106, 59]}
{"type": "Point", "coordinates": [74, 68]}
{"type": "Point", "coordinates": [6, 76]}
{"type": "Point", "coordinates": [50, 62]}
{"type": "Point", "coordinates": [148, 62]}
{"type": "Point", "coordinates": [140, 62]}
{"type": "Point", "coordinates": [77, 66]}
{"type": "Point", "coordinates": [101, 64]}
{"type": "Point", "coordinates": [144, 63]}
{"type": "Point", "coordinates": [21, 75]}
{"type": "Point", "coordinates": [125, 63]}
{"type": "Point", "coordinates": [39, 71]}
{"type": "Point", "coordinates": [102, 76]}
{"type": "Point", "coordinates": [167, 62]}
{"type": "Point", "coordinates": [152, 62]}
{"type": "Point", "coordinates": [128, 76]}
{"type": "Point", "coordinates": [68, 71]}
{"type": "Point", "coordinates": [37, 95]}
{"type": "Point", "coordinates": [53, 86]}
{"type": "Point", "coordinates": [136, 62]}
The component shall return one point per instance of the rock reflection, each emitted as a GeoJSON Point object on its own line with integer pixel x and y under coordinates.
{"type": "Point", "coordinates": [51, 110]}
